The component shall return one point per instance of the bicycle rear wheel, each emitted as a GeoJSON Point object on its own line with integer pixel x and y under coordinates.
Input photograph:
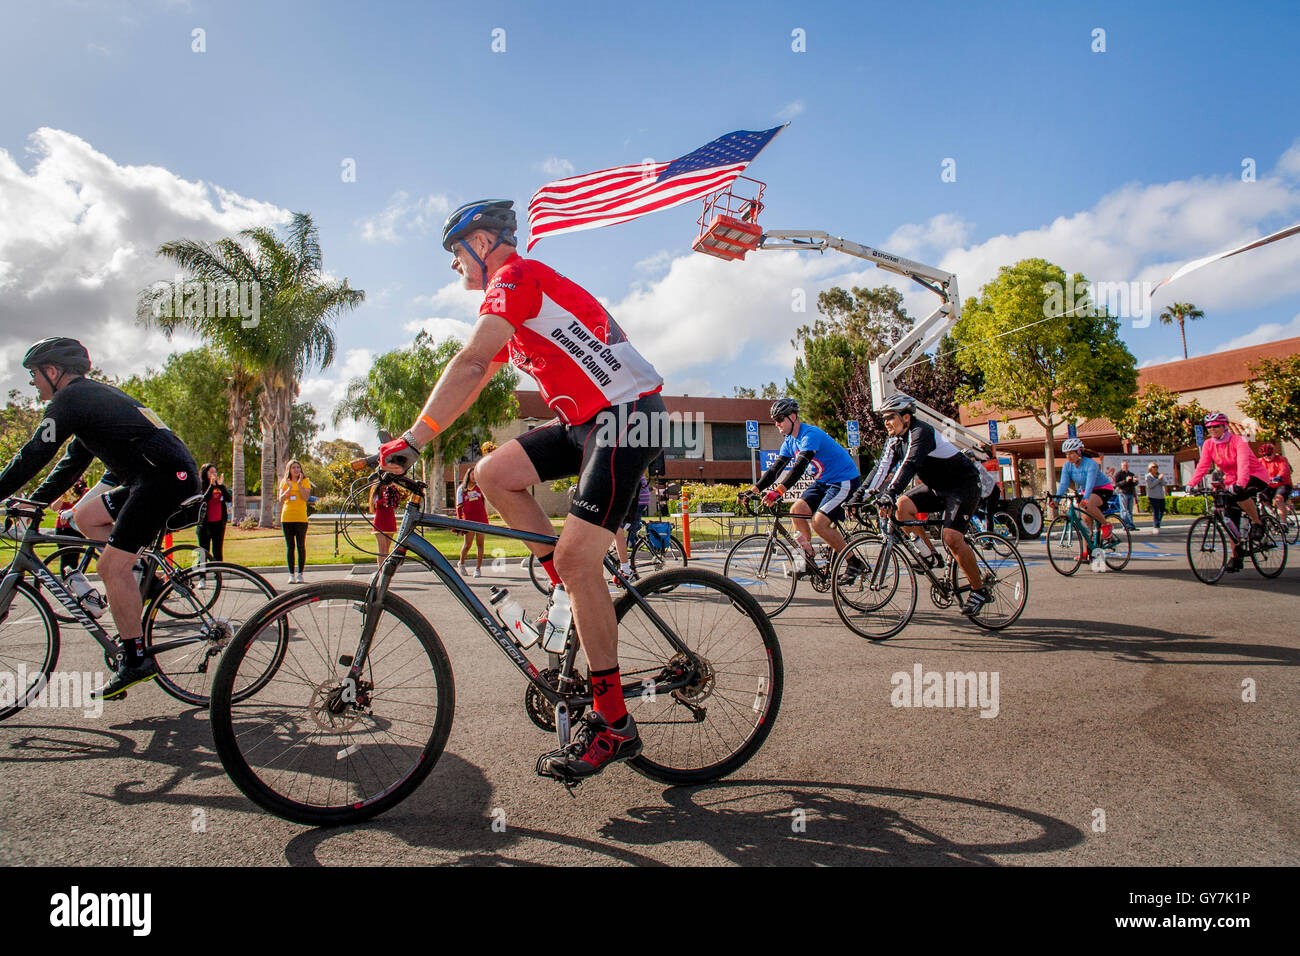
{"type": "Point", "coordinates": [1064, 546]}
{"type": "Point", "coordinates": [1269, 556]}
{"type": "Point", "coordinates": [29, 648]}
{"type": "Point", "coordinates": [882, 598]}
{"type": "Point", "coordinates": [711, 727]}
{"type": "Point", "coordinates": [1120, 547]}
{"type": "Point", "coordinates": [185, 557]}
{"type": "Point", "coordinates": [1004, 526]}
{"type": "Point", "coordinates": [311, 748]}
{"type": "Point", "coordinates": [538, 575]}
{"type": "Point", "coordinates": [764, 567]}
{"type": "Point", "coordinates": [218, 598]}
{"type": "Point", "coordinates": [1207, 549]}
{"type": "Point", "coordinates": [1002, 572]}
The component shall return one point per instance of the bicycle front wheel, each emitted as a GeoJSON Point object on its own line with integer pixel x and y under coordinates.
{"type": "Point", "coordinates": [1064, 546]}
{"type": "Point", "coordinates": [1004, 526]}
{"type": "Point", "coordinates": [217, 599]}
{"type": "Point", "coordinates": [538, 574]}
{"type": "Point", "coordinates": [648, 560]}
{"type": "Point", "coordinates": [29, 648]}
{"type": "Point", "coordinates": [1207, 549]}
{"type": "Point", "coordinates": [308, 745]}
{"type": "Point", "coordinates": [1003, 574]}
{"type": "Point", "coordinates": [881, 599]}
{"type": "Point", "coordinates": [764, 567]}
{"type": "Point", "coordinates": [712, 726]}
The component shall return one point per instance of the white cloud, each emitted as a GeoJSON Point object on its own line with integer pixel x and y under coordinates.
{"type": "Point", "coordinates": [404, 216]}
{"type": "Point", "coordinates": [78, 234]}
{"type": "Point", "coordinates": [1289, 163]}
{"type": "Point", "coordinates": [554, 166]}
{"type": "Point", "coordinates": [655, 263]}
{"type": "Point", "coordinates": [440, 328]}
{"type": "Point", "coordinates": [1268, 332]}
{"type": "Point", "coordinates": [942, 232]}
{"type": "Point", "coordinates": [790, 110]}
{"type": "Point", "coordinates": [453, 298]}
{"type": "Point", "coordinates": [325, 390]}
{"type": "Point", "coordinates": [97, 48]}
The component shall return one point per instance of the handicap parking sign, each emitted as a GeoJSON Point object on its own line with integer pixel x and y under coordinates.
{"type": "Point", "coordinates": [751, 433]}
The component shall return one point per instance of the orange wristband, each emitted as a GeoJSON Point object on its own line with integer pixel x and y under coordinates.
{"type": "Point", "coordinates": [431, 423]}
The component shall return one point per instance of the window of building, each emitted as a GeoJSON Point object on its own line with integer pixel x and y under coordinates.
{"type": "Point", "coordinates": [729, 443]}
{"type": "Point", "coordinates": [685, 440]}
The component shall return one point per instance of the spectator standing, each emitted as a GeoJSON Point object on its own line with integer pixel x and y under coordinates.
{"type": "Point", "coordinates": [214, 512]}
{"type": "Point", "coordinates": [1155, 485]}
{"type": "Point", "coordinates": [384, 500]}
{"type": "Point", "coordinates": [295, 489]}
{"type": "Point", "coordinates": [1126, 486]}
{"type": "Point", "coordinates": [471, 506]}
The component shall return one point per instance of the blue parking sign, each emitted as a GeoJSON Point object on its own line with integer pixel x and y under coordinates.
{"type": "Point", "coordinates": [1071, 430]}
{"type": "Point", "coordinates": [993, 430]}
{"type": "Point", "coordinates": [751, 434]}
{"type": "Point", "coordinates": [854, 441]}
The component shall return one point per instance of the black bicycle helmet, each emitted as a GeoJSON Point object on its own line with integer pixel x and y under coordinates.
{"type": "Point", "coordinates": [497, 215]}
{"type": "Point", "coordinates": [783, 407]}
{"type": "Point", "coordinates": [63, 352]}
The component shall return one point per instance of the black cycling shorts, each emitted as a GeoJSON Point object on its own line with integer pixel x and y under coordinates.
{"type": "Point", "coordinates": [598, 451]}
{"type": "Point", "coordinates": [1283, 490]}
{"type": "Point", "coordinates": [1105, 494]}
{"type": "Point", "coordinates": [956, 506]}
{"type": "Point", "coordinates": [1251, 490]}
{"type": "Point", "coordinates": [140, 510]}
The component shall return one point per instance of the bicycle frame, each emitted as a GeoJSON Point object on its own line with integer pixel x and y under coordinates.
{"type": "Point", "coordinates": [26, 562]}
{"type": "Point", "coordinates": [894, 538]}
{"type": "Point", "coordinates": [796, 549]}
{"type": "Point", "coordinates": [409, 540]}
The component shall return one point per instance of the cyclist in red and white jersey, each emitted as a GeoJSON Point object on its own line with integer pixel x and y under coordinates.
{"type": "Point", "coordinates": [1279, 478]}
{"type": "Point", "coordinates": [607, 431]}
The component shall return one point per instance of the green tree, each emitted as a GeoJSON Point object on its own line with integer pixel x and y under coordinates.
{"type": "Point", "coordinates": [1070, 367]}
{"type": "Point", "coordinates": [291, 333]}
{"type": "Point", "coordinates": [1273, 398]}
{"type": "Point", "coordinates": [1158, 423]}
{"type": "Point", "coordinates": [1181, 312]}
{"type": "Point", "coordinates": [769, 392]}
{"type": "Point", "coordinates": [397, 386]}
{"type": "Point", "coordinates": [189, 393]}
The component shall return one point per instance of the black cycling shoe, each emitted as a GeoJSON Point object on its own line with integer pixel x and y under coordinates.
{"type": "Point", "coordinates": [1257, 533]}
{"type": "Point", "coordinates": [976, 600]}
{"type": "Point", "coordinates": [594, 747]}
{"type": "Point", "coordinates": [853, 569]}
{"type": "Point", "coordinates": [128, 675]}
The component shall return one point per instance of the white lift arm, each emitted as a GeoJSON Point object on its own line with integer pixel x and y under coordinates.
{"type": "Point", "coordinates": [924, 335]}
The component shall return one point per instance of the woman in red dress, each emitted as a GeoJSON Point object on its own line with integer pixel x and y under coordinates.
{"type": "Point", "coordinates": [383, 502]}
{"type": "Point", "coordinates": [471, 506]}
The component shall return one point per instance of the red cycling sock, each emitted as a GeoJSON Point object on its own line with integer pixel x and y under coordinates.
{"type": "Point", "coordinates": [607, 691]}
{"type": "Point", "coordinates": [548, 565]}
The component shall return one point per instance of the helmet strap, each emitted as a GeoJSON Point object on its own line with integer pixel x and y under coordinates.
{"type": "Point", "coordinates": [48, 381]}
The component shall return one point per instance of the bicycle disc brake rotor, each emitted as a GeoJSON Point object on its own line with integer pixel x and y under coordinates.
{"type": "Point", "coordinates": [701, 688]}
{"type": "Point", "coordinates": [328, 709]}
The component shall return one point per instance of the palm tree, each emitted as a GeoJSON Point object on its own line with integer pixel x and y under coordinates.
{"type": "Point", "coordinates": [1182, 312]}
{"type": "Point", "coordinates": [241, 387]}
{"type": "Point", "coordinates": [291, 334]}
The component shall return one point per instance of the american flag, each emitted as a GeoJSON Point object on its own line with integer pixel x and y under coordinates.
{"type": "Point", "coordinates": [611, 196]}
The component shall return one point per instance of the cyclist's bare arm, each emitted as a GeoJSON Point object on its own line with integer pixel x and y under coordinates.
{"type": "Point", "coordinates": [465, 376]}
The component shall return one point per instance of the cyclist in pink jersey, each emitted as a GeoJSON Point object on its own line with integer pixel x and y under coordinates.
{"type": "Point", "coordinates": [607, 431]}
{"type": "Point", "coordinates": [1279, 478]}
{"type": "Point", "coordinates": [1244, 474]}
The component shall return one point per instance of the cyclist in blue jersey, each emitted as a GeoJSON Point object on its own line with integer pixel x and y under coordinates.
{"type": "Point", "coordinates": [1094, 488]}
{"type": "Point", "coordinates": [823, 502]}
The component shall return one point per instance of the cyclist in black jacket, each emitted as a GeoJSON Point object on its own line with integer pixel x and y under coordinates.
{"type": "Point", "coordinates": [950, 485]}
{"type": "Point", "coordinates": [154, 469]}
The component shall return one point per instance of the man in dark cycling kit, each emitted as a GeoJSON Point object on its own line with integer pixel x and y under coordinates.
{"type": "Point", "coordinates": [823, 501]}
{"type": "Point", "coordinates": [950, 486]}
{"type": "Point", "coordinates": [155, 470]}
{"type": "Point", "coordinates": [609, 419]}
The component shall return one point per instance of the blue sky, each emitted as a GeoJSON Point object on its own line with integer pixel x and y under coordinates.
{"type": "Point", "coordinates": [1121, 164]}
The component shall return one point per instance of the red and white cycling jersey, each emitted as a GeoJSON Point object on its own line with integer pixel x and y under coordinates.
{"type": "Point", "coordinates": [566, 340]}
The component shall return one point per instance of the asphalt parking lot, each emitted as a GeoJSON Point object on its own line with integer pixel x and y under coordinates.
{"type": "Point", "coordinates": [1140, 718]}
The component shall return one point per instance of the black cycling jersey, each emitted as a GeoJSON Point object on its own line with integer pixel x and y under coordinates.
{"type": "Point", "coordinates": [103, 422]}
{"type": "Point", "coordinates": [922, 453]}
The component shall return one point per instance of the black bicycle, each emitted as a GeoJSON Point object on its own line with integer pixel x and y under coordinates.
{"type": "Point", "coordinates": [1211, 537]}
{"type": "Point", "coordinates": [187, 621]}
{"type": "Point", "coordinates": [877, 599]}
{"type": "Point", "coordinates": [361, 706]}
